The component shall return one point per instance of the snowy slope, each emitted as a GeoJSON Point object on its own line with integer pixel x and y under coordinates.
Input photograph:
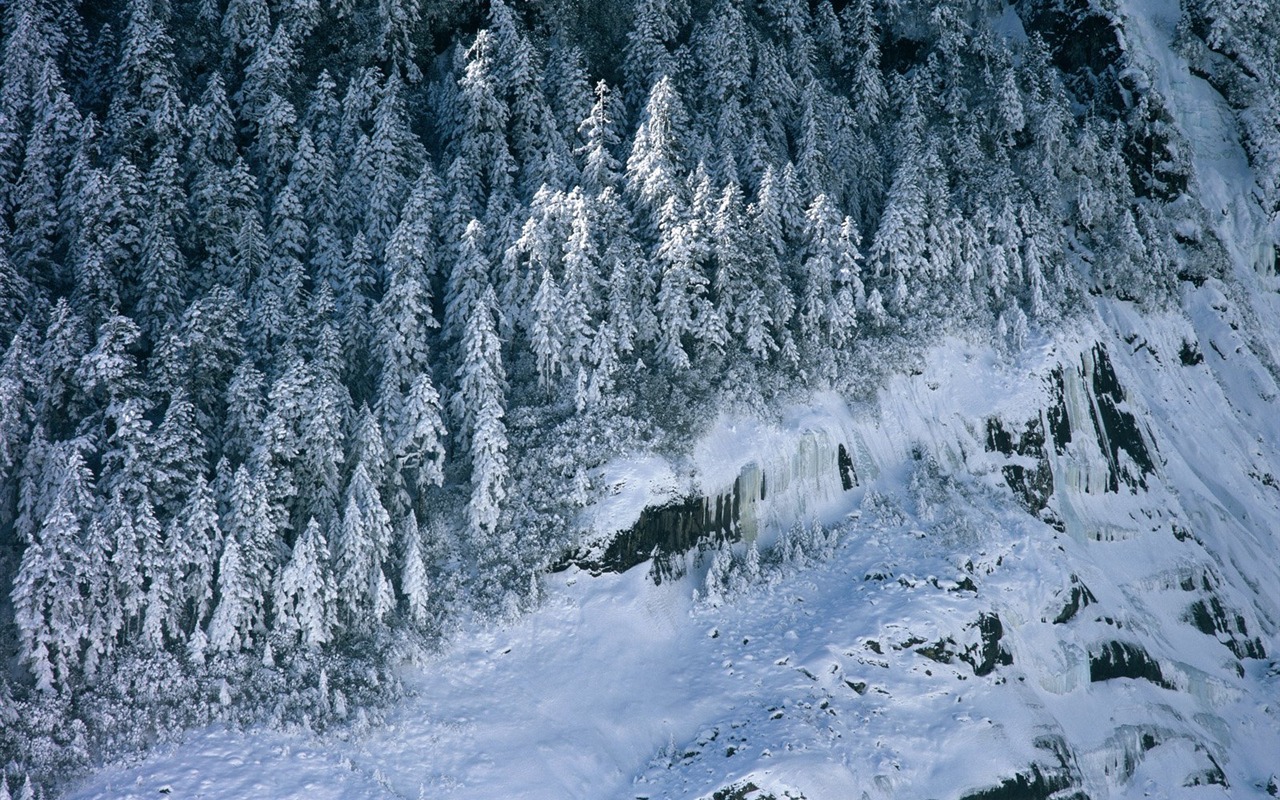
{"type": "Point", "coordinates": [829, 681]}
{"type": "Point", "coordinates": [1110, 631]}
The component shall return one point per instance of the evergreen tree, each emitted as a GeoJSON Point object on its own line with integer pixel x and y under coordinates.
{"type": "Point", "coordinates": [320, 464]}
{"type": "Point", "coordinates": [771, 102]}
{"type": "Point", "coordinates": [772, 253]}
{"type": "Point", "coordinates": [567, 86]}
{"type": "Point", "coordinates": [414, 584]}
{"type": "Point", "coordinates": [306, 597]}
{"type": "Point", "coordinates": [480, 142]}
{"type": "Point", "coordinates": [814, 148]}
{"type": "Point", "coordinates": [362, 545]}
{"type": "Point", "coordinates": [646, 58]}
{"type": "Point", "coordinates": [470, 276]}
{"type": "Point", "coordinates": [898, 247]}
{"type": "Point", "coordinates": [46, 595]}
{"type": "Point", "coordinates": [819, 269]}
{"type": "Point", "coordinates": [245, 402]}
{"type": "Point", "coordinates": [405, 319]}
{"type": "Point", "coordinates": [541, 153]}
{"type": "Point", "coordinates": [419, 444]}
{"type": "Point", "coordinates": [395, 157]}
{"type": "Point", "coordinates": [628, 308]}
{"type": "Point", "coordinates": [246, 25]}
{"type": "Point", "coordinates": [253, 533]}
{"type": "Point", "coordinates": [312, 181]}
{"type": "Point", "coordinates": [655, 168]}
{"type": "Point", "coordinates": [739, 292]}
{"type": "Point", "coordinates": [600, 140]}
{"type": "Point", "coordinates": [176, 455]}
{"type": "Point", "coordinates": [201, 544]}
{"type": "Point", "coordinates": [398, 22]}
{"type": "Point", "coordinates": [546, 334]}
{"type": "Point", "coordinates": [850, 293]}
{"type": "Point", "coordinates": [863, 31]}
{"type": "Point", "coordinates": [479, 404]}
{"type": "Point", "coordinates": [163, 268]}
{"type": "Point", "coordinates": [682, 289]}
{"type": "Point", "coordinates": [146, 111]}
{"type": "Point", "coordinates": [724, 48]}
{"type": "Point", "coordinates": [47, 157]}
{"type": "Point", "coordinates": [368, 447]}
{"type": "Point", "coordinates": [18, 379]}
{"type": "Point", "coordinates": [580, 299]}
{"type": "Point", "coordinates": [231, 628]}
{"type": "Point", "coordinates": [354, 298]}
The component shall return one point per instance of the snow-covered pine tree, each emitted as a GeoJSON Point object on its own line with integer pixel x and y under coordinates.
{"type": "Point", "coordinates": [420, 441]}
{"type": "Point", "coordinates": [898, 249]}
{"type": "Point", "coordinates": [600, 140]}
{"type": "Point", "coordinates": [322, 436]}
{"type": "Point", "coordinates": [259, 549]}
{"type": "Point", "coordinates": [398, 22]}
{"type": "Point", "coordinates": [656, 166]}
{"type": "Point", "coordinates": [368, 446]}
{"type": "Point", "coordinates": [414, 583]}
{"type": "Point", "coordinates": [238, 609]}
{"type": "Point", "coordinates": [202, 542]}
{"type": "Point", "coordinates": [740, 292]}
{"type": "Point", "coordinates": [48, 606]}
{"type": "Point", "coordinates": [480, 142]}
{"type": "Point", "coordinates": [395, 160]}
{"type": "Point", "coordinates": [541, 153]}
{"type": "Point", "coordinates": [362, 544]}
{"type": "Point", "coordinates": [404, 319]}
{"type": "Point", "coordinates": [646, 57]}
{"type": "Point", "coordinates": [305, 595]}
{"type": "Point", "coordinates": [819, 270]}
{"type": "Point", "coordinates": [479, 405]}
{"type": "Point", "coordinates": [546, 333]}
{"type": "Point", "coordinates": [850, 293]}
{"type": "Point", "coordinates": [470, 276]}
{"type": "Point", "coordinates": [580, 297]}
{"type": "Point", "coordinates": [681, 290]}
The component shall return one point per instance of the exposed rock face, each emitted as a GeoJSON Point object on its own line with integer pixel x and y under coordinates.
{"type": "Point", "coordinates": [1142, 546]}
{"type": "Point", "coordinates": [1098, 444]}
{"type": "Point", "coordinates": [666, 533]}
{"type": "Point", "coordinates": [1086, 41]}
{"type": "Point", "coordinates": [1122, 660]}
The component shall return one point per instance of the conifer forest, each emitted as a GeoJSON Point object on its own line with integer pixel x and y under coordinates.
{"type": "Point", "coordinates": [322, 321]}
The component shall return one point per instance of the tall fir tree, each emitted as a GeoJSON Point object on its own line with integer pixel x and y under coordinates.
{"type": "Point", "coordinates": [480, 406]}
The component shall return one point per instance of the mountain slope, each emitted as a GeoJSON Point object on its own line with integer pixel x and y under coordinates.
{"type": "Point", "coordinates": [901, 426]}
{"type": "Point", "coordinates": [879, 669]}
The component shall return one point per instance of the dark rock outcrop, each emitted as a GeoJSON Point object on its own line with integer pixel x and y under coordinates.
{"type": "Point", "coordinates": [1125, 660]}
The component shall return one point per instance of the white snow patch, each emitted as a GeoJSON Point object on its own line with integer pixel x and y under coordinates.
{"type": "Point", "coordinates": [631, 484]}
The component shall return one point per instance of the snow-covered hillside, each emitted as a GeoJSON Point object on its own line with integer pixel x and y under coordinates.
{"type": "Point", "coordinates": [1032, 554]}
{"type": "Point", "coordinates": [1055, 575]}
{"type": "Point", "coordinates": [949, 642]}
